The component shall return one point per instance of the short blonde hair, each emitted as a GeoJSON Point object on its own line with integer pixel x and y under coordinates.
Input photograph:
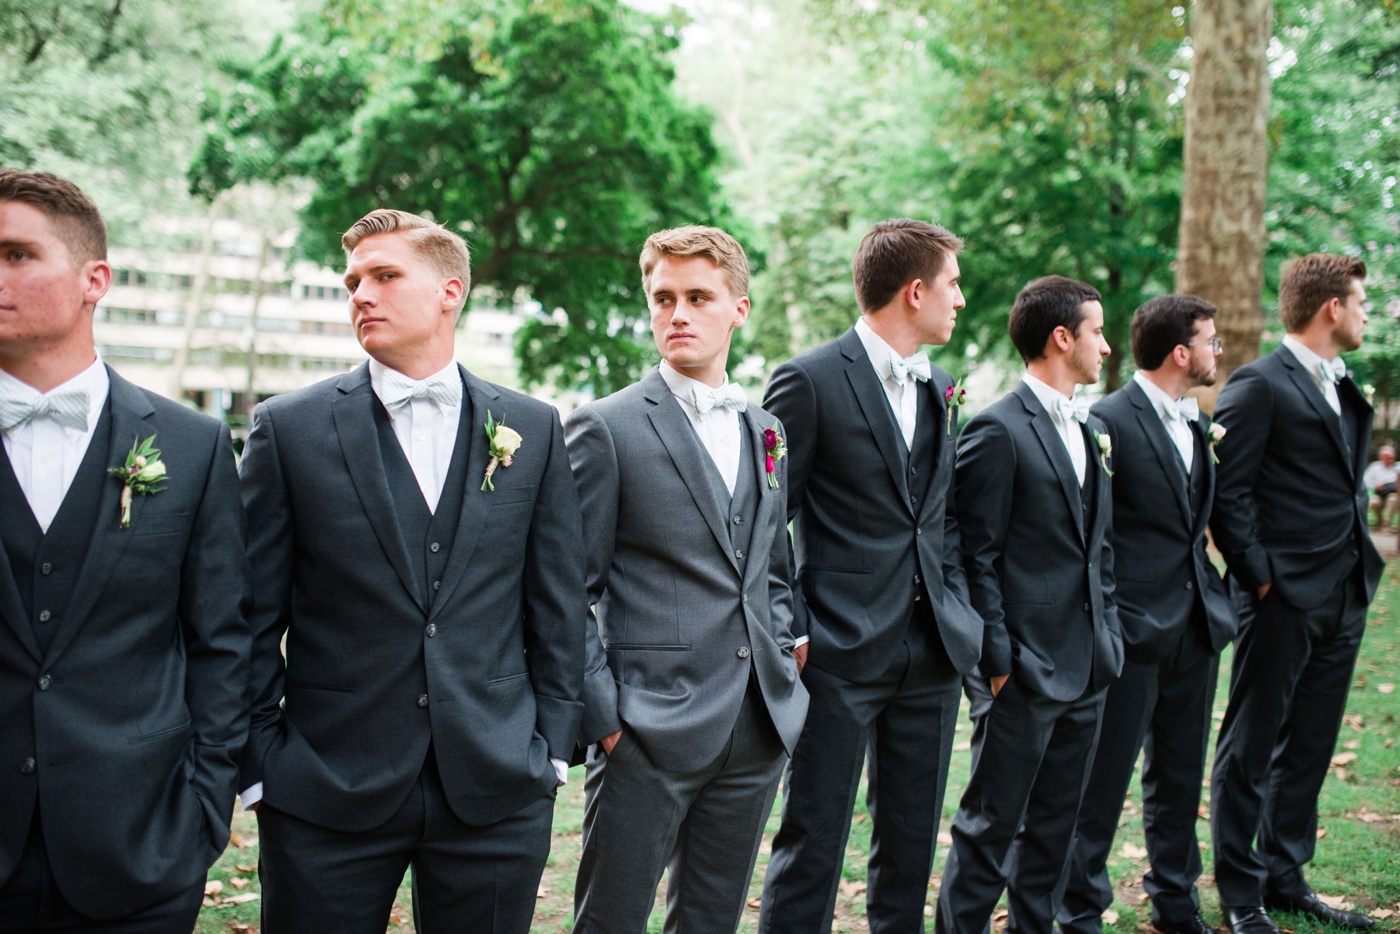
{"type": "Point", "coordinates": [437, 246]}
{"type": "Point", "coordinates": [710, 242]}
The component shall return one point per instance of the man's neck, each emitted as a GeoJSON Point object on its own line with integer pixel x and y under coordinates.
{"type": "Point", "coordinates": [1173, 382]}
{"type": "Point", "coordinates": [891, 325]}
{"type": "Point", "coordinates": [46, 371]}
{"type": "Point", "coordinates": [420, 367]}
{"type": "Point", "coordinates": [1053, 374]}
{"type": "Point", "coordinates": [1319, 341]}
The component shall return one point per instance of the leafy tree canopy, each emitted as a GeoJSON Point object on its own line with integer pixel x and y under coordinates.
{"type": "Point", "coordinates": [547, 132]}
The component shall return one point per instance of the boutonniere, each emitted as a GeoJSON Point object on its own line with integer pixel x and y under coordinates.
{"type": "Point", "coordinates": [1215, 434]}
{"type": "Point", "coordinates": [955, 395]}
{"type": "Point", "coordinates": [504, 443]}
{"type": "Point", "coordinates": [775, 449]}
{"type": "Point", "coordinates": [1105, 444]}
{"type": "Point", "coordinates": [143, 473]}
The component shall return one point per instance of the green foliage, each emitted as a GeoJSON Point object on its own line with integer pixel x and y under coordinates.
{"type": "Point", "coordinates": [547, 132]}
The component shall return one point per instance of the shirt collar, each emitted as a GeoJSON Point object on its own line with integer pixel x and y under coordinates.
{"type": "Point", "coordinates": [1047, 394]}
{"type": "Point", "coordinates": [1155, 394]}
{"type": "Point", "coordinates": [680, 384]}
{"type": "Point", "coordinates": [876, 348]}
{"type": "Point", "coordinates": [94, 380]}
{"type": "Point", "coordinates": [1306, 356]}
{"type": "Point", "coordinates": [377, 371]}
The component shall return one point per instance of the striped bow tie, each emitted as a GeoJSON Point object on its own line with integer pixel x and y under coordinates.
{"type": "Point", "coordinates": [69, 409]}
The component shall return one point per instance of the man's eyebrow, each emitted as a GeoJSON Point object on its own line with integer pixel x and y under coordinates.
{"type": "Point", "coordinates": [377, 267]}
{"type": "Point", "coordinates": [23, 244]}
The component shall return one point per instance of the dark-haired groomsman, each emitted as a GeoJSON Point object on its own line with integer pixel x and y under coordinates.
{"type": "Point", "coordinates": [879, 583]}
{"type": "Point", "coordinates": [1034, 508]}
{"type": "Point", "coordinates": [1176, 618]}
{"type": "Point", "coordinates": [123, 641]}
{"type": "Point", "coordinates": [1290, 518]}
{"type": "Point", "coordinates": [693, 696]}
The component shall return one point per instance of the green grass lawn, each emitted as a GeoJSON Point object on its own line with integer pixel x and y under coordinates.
{"type": "Point", "coordinates": [1358, 849]}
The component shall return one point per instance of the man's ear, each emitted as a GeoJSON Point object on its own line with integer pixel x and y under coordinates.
{"type": "Point", "coordinates": [452, 292]}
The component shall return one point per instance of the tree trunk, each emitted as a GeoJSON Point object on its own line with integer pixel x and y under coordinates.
{"type": "Point", "coordinates": [1220, 254]}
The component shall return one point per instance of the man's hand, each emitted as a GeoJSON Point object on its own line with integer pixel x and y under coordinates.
{"type": "Point", "coordinates": [1264, 589]}
{"type": "Point", "coordinates": [799, 655]}
{"type": "Point", "coordinates": [610, 741]}
{"type": "Point", "coordinates": [996, 682]}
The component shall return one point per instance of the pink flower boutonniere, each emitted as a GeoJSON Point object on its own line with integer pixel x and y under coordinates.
{"type": "Point", "coordinates": [954, 397]}
{"type": "Point", "coordinates": [775, 449]}
{"type": "Point", "coordinates": [1215, 434]}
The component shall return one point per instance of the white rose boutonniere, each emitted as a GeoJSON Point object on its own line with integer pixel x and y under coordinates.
{"type": "Point", "coordinates": [504, 443]}
{"type": "Point", "coordinates": [143, 473]}
{"type": "Point", "coordinates": [1105, 444]}
{"type": "Point", "coordinates": [1215, 434]}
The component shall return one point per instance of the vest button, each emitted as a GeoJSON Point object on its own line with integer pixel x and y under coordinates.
{"type": "Point", "coordinates": [45, 616]}
{"type": "Point", "coordinates": [422, 700]}
{"type": "Point", "coordinates": [45, 682]}
{"type": "Point", "coordinates": [435, 548]}
{"type": "Point", "coordinates": [743, 651]}
{"type": "Point", "coordinates": [432, 630]}
{"type": "Point", "coordinates": [27, 767]}
{"type": "Point", "coordinates": [1086, 608]}
{"type": "Point", "coordinates": [46, 568]}
{"type": "Point", "coordinates": [1190, 586]}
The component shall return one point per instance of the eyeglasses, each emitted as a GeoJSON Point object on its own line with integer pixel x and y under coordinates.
{"type": "Point", "coordinates": [1214, 343]}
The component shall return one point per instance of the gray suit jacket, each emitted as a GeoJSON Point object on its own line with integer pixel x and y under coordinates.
{"type": "Point", "coordinates": [489, 673]}
{"type": "Point", "coordinates": [678, 626]}
{"type": "Point", "coordinates": [129, 727]}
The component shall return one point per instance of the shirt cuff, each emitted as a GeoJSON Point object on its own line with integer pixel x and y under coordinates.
{"type": "Point", "coordinates": [801, 641]}
{"type": "Point", "coordinates": [251, 795]}
{"type": "Point", "coordinates": [561, 770]}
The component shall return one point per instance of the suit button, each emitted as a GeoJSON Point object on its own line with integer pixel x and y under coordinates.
{"type": "Point", "coordinates": [46, 568]}
{"type": "Point", "coordinates": [746, 598]}
{"type": "Point", "coordinates": [918, 531]}
{"type": "Point", "coordinates": [45, 682]}
{"type": "Point", "coordinates": [27, 767]}
{"type": "Point", "coordinates": [437, 585]}
{"type": "Point", "coordinates": [738, 520]}
{"type": "Point", "coordinates": [435, 548]}
{"type": "Point", "coordinates": [1190, 586]}
{"type": "Point", "coordinates": [45, 616]}
{"type": "Point", "coordinates": [738, 552]}
{"type": "Point", "coordinates": [743, 651]}
{"type": "Point", "coordinates": [913, 470]}
{"type": "Point", "coordinates": [432, 630]}
{"type": "Point", "coordinates": [1086, 608]}
{"type": "Point", "coordinates": [422, 700]}
{"type": "Point", "coordinates": [918, 580]}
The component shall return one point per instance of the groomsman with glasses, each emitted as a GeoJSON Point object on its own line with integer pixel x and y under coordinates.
{"type": "Point", "coordinates": [1176, 618]}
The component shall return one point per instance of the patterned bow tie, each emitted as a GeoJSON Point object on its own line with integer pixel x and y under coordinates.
{"type": "Point", "coordinates": [728, 396]}
{"type": "Point", "coordinates": [1183, 410]}
{"type": "Point", "coordinates": [1332, 370]}
{"type": "Point", "coordinates": [903, 369]}
{"type": "Point", "coordinates": [69, 409]}
{"type": "Point", "coordinates": [398, 390]}
{"type": "Point", "coordinates": [1072, 410]}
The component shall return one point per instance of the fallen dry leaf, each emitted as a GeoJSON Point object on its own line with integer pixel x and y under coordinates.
{"type": "Point", "coordinates": [241, 868]}
{"type": "Point", "coordinates": [1321, 832]}
{"type": "Point", "coordinates": [1343, 759]}
{"type": "Point", "coordinates": [1352, 744]}
{"type": "Point", "coordinates": [238, 882]}
{"type": "Point", "coordinates": [753, 903]}
{"type": "Point", "coordinates": [1335, 901]}
{"type": "Point", "coordinates": [1386, 688]}
{"type": "Point", "coordinates": [1382, 913]}
{"type": "Point", "coordinates": [1132, 851]}
{"type": "Point", "coordinates": [851, 887]}
{"type": "Point", "coordinates": [213, 887]}
{"type": "Point", "coordinates": [241, 899]}
{"type": "Point", "coordinates": [1110, 917]}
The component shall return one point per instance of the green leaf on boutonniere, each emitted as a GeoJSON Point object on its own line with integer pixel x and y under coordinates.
{"type": "Point", "coordinates": [142, 473]}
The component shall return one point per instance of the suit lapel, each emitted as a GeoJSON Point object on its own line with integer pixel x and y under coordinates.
{"type": "Point", "coordinates": [1354, 401]}
{"type": "Point", "coordinates": [359, 444]}
{"type": "Point", "coordinates": [936, 408]}
{"type": "Point", "coordinates": [875, 406]}
{"type": "Point", "coordinates": [1198, 431]}
{"type": "Point", "coordinates": [1043, 425]}
{"type": "Point", "coordinates": [477, 398]}
{"type": "Point", "coordinates": [760, 545]}
{"type": "Point", "coordinates": [1312, 392]}
{"type": "Point", "coordinates": [131, 421]}
{"type": "Point", "coordinates": [11, 607]}
{"type": "Point", "coordinates": [1163, 447]}
{"type": "Point", "coordinates": [691, 460]}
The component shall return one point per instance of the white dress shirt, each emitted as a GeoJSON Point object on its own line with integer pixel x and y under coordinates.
{"type": "Point", "coordinates": [1177, 429]}
{"type": "Point", "coordinates": [1313, 363]}
{"type": "Point", "coordinates": [1071, 433]}
{"type": "Point", "coordinates": [903, 399]}
{"type": "Point", "coordinates": [46, 455]}
{"type": "Point", "coordinates": [718, 430]}
{"type": "Point", "coordinates": [427, 431]}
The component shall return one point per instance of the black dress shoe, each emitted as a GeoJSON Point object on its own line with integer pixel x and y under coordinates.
{"type": "Point", "coordinates": [1249, 920]}
{"type": "Point", "coordinates": [1319, 910]}
{"type": "Point", "coordinates": [1192, 925]}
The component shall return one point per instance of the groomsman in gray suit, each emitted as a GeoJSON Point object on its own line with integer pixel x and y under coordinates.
{"type": "Point", "coordinates": [1176, 619]}
{"type": "Point", "coordinates": [880, 584]}
{"type": "Point", "coordinates": [1034, 508]}
{"type": "Point", "coordinates": [692, 695]}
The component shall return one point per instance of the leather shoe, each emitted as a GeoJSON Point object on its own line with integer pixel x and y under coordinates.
{"type": "Point", "coordinates": [1192, 925]}
{"type": "Point", "coordinates": [1249, 920]}
{"type": "Point", "coordinates": [1319, 910]}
